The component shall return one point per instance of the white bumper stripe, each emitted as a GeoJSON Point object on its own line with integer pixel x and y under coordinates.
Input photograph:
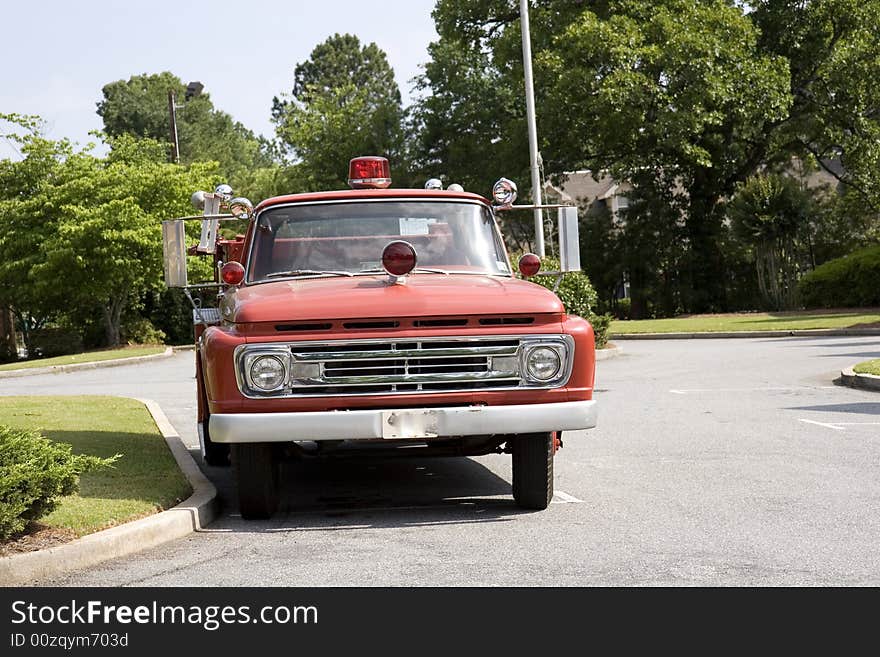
{"type": "Point", "coordinates": [402, 424]}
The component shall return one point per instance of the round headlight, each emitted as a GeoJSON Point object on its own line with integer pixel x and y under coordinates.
{"type": "Point", "coordinates": [543, 363]}
{"type": "Point", "coordinates": [267, 372]}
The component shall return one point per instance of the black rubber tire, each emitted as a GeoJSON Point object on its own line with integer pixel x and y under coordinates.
{"type": "Point", "coordinates": [216, 454]}
{"type": "Point", "coordinates": [256, 474]}
{"type": "Point", "coordinates": [532, 470]}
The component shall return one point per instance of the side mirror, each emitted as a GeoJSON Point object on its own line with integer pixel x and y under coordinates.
{"type": "Point", "coordinates": [569, 241]}
{"type": "Point", "coordinates": [241, 208]}
{"type": "Point", "coordinates": [174, 253]}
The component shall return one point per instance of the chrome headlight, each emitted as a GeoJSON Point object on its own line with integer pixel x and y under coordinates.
{"type": "Point", "coordinates": [262, 370]}
{"type": "Point", "coordinates": [546, 361]}
{"type": "Point", "coordinates": [267, 372]}
{"type": "Point", "coordinates": [543, 363]}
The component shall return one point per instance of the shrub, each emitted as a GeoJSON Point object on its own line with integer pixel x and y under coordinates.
{"type": "Point", "coordinates": [34, 473]}
{"type": "Point", "coordinates": [142, 331]}
{"type": "Point", "coordinates": [577, 295]}
{"type": "Point", "coordinates": [851, 281]}
{"type": "Point", "coordinates": [50, 342]}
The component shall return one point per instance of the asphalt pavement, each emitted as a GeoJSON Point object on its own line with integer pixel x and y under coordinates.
{"type": "Point", "coordinates": [716, 462]}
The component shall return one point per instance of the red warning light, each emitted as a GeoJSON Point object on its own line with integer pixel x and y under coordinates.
{"type": "Point", "coordinates": [369, 172]}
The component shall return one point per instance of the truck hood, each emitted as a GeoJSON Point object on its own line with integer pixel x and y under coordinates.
{"type": "Point", "coordinates": [423, 295]}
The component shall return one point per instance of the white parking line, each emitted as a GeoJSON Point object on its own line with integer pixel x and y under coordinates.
{"type": "Point", "coordinates": [767, 389]}
{"type": "Point", "coordinates": [560, 497]}
{"type": "Point", "coordinates": [841, 426]}
{"type": "Point", "coordinates": [823, 424]}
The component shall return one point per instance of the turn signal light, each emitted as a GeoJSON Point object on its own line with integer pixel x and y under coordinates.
{"type": "Point", "coordinates": [232, 273]}
{"type": "Point", "coordinates": [529, 265]}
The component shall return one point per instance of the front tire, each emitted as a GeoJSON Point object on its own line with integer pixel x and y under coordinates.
{"type": "Point", "coordinates": [256, 474]}
{"type": "Point", "coordinates": [532, 470]}
{"type": "Point", "coordinates": [215, 454]}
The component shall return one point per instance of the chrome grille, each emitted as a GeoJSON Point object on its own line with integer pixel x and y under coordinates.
{"type": "Point", "coordinates": [402, 366]}
{"type": "Point", "coordinates": [405, 366]}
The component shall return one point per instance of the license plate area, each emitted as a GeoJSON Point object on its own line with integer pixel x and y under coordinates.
{"type": "Point", "coordinates": [409, 424]}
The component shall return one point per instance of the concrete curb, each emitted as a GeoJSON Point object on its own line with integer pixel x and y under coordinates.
{"type": "Point", "coordinates": [55, 369]}
{"type": "Point", "coordinates": [861, 381]}
{"type": "Point", "coordinates": [611, 350]}
{"type": "Point", "coordinates": [745, 334]}
{"type": "Point", "coordinates": [191, 515]}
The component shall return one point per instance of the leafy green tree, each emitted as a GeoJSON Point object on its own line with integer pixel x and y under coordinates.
{"type": "Point", "coordinates": [832, 49]}
{"type": "Point", "coordinates": [139, 107]}
{"type": "Point", "coordinates": [81, 235]}
{"type": "Point", "coordinates": [469, 128]}
{"type": "Point", "coordinates": [27, 220]}
{"type": "Point", "coordinates": [771, 214]}
{"type": "Point", "coordinates": [684, 99]}
{"type": "Point", "coordinates": [676, 88]}
{"type": "Point", "coordinates": [344, 103]}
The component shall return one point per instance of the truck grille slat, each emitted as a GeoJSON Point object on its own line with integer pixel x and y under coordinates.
{"type": "Point", "coordinates": [405, 366]}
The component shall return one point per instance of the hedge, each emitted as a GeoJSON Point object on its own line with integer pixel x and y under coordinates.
{"type": "Point", "coordinates": [577, 295]}
{"type": "Point", "coordinates": [49, 342]}
{"type": "Point", "coordinates": [849, 282]}
{"type": "Point", "coordinates": [35, 473]}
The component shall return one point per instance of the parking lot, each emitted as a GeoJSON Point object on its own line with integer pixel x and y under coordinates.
{"type": "Point", "coordinates": [716, 462]}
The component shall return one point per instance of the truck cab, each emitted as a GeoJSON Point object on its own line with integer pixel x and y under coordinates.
{"type": "Point", "coordinates": [374, 319]}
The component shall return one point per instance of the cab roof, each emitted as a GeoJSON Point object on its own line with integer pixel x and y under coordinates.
{"type": "Point", "coordinates": [371, 194]}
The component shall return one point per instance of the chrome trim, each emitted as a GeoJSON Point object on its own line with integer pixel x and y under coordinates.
{"type": "Point", "coordinates": [402, 424]}
{"type": "Point", "coordinates": [300, 352]}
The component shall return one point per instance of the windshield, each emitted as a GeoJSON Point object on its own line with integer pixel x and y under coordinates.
{"type": "Point", "coordinates": [343, 239]}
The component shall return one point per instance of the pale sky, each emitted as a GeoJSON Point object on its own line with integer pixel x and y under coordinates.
{"type": "Point", "coordinates": [55, 56]}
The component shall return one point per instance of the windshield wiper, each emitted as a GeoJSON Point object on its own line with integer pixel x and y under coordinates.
{"type": "Point", "coordinates": [307, 272]}
{"type": "Point", "coordinates": [417, 270]}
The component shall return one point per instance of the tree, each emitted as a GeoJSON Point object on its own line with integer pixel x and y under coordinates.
{"type": "Point", "coordinates": [344, 103]}
{"type": "Point", "coordinates": [832, 49]}
{"type": "Point", "coordinates": [139, 107]}
{"type": "Point", "coordinates": [27, 220]}
{"type": "Point", "coordinates": [685, 100]}
{"type": "Point", "coordinates": [675, 88]}
{"type": "Point", "coordinates": [771, 214]}
{"type": "Point", "coordinates": [81, 235]}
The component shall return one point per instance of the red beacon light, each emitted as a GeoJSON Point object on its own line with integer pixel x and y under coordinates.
{"type": "Point", "coordinates": [369, 172]}
{"type": "Point", "coordinates": [399, 258]}
{"type": "Point", "coordinates": [529, 265]}
{"type": "Point", "coordinates": [232, 273]}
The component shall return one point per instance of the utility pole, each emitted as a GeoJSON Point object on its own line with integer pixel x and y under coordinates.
{"type": "Point", "coordinates": [533, 130]}
{"type": "Point", "coordinates": [172, 113]}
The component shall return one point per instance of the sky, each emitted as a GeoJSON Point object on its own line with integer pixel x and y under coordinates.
{"type": "Point", "coordinates": [56, 55]}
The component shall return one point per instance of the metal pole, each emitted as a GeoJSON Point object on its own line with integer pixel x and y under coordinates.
{"type": "Point", "coordinates": [533, 130]}
{"type": "Point", "coordinates": [172, 113]}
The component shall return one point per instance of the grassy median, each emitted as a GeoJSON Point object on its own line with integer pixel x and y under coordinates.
{"type": "Point", "coordinates": [144, 480]}
{"type": "Point", "coordinates": [868, 367]}
{"type": "Point", "coordinates": [732, 322]}
{"type": "Point", "coordinates": [87, 357]}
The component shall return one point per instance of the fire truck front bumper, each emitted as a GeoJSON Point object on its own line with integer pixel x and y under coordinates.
{"type": "Point", "coordinates": [402, 424]}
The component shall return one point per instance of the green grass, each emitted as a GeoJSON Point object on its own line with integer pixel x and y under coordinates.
{"type": "Point", "coordinates": [144, 480]}
{"type": "Point", "coordinates": [87, 357]}
{"type": "Point", "coordinates": [781, 321]}
{"type": "Point", "coordinates": [868, 367]}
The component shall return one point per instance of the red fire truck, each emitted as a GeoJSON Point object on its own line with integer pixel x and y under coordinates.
{"type": "Point", "coordinates": [373, 319]}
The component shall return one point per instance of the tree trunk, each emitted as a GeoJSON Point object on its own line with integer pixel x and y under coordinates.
{"type": "Point", "coordinates": [706, 260]}
{"type": "Point", "coordinates": [113, 320]}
